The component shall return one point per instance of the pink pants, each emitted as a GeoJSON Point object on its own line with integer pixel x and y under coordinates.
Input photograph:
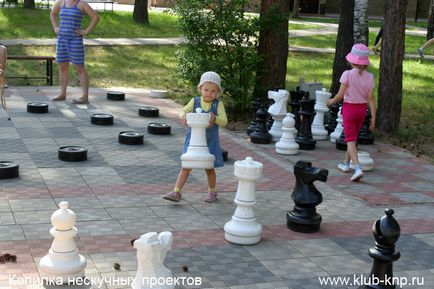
{"type": "Point", "coordinates": [353, 115]}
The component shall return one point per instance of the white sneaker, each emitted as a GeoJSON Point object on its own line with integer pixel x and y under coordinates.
{"type": "Point", "coordinates": [344, 167]}
{"type": "Point", "coordinates": [357, 176]}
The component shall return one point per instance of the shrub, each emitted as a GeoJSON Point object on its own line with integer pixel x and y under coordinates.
{"type": "Point", "coordinates": [219, 36]}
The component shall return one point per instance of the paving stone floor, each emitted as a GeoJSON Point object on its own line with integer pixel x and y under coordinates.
{"type": "Point", "coordinates": [116, 195]}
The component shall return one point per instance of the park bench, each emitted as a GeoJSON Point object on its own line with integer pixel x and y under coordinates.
{"type": "Point", "coordinates": [49, 66]}
{"type": "Point", "coordinates": [102, 2]}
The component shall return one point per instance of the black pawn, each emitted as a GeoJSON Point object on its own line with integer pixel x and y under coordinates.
{"type": "Point", "coordinates": [304, 218]}
{"type": "Point", "coordinates": [261, 135]}
{"type": "Point", "coordinates": [254, 106]}
{"type": "Point", "coordinates": [296, 96]}
{"type": "Point", "coordinates": [304, 137]}
{"type": "Point", "coordinates": [332, 116]}
{"type": "Point", "coordinates": [340, 142]}
{"type": "Point", "coordinates": [366, 137]}
{"type": "Point", "coordinates": [386, 233]}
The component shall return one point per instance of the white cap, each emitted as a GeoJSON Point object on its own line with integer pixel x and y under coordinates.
{"type": "Point", "coordinates": [210, 76]}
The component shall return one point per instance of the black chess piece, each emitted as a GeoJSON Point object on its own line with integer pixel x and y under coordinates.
{"type": "Point", "coordinates": [386, 232]}
{"type": "Point", "coordinates": [254, 106]}
{"type": "Point", "coordinates": [261, 135]}
{"type": "Point", "coordinates": [296, 96]}
{"type": "Point", "coordinates": [366, 137]}
{"type": "Point", "coordinates": [304, 218]}
{"type": "Point", "coordinates": [304, 136]}
{"type": "Point", "coordinates": [332, 116]}
{"type": "Point", "coordinates": [340, 142]}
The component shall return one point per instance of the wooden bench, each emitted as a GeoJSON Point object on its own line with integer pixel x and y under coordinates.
{"type": "Point", "coordinates": [49, 64]}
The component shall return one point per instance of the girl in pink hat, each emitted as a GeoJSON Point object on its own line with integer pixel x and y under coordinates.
{"type": "Point", "coordinates": [357, 90]}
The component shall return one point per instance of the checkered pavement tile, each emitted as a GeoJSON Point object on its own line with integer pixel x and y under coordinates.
{"type": "Point", "coordinates": [64, 132]}
{"type": "Point", "coordinates": [12, 146]}
{"type": "Point", "coordinates": [191, 222]}
{"type": "Point", "coordinates": [125, 213]}
{"type": "Point", "coordinates": [104, 261]}
{"type": "Point", "coordinates": [224, 254]}
{"type": "Point", "coordinates": [427, 238]}
{"type": "Point", "coordinates": [6, 218]}
{"type": "Point", "coordinates": [356, 246]}
{"type": "Point", "coordinates": [4, 205]}
{"type": "Point", "coordinates": [269, 285]}
{"type": "Point", "coordinates": [37, 231]}
{"type": "Point", "coordinates": [20, 192]}
{"type": "Point", "coordinates": [119, 158]}
{"type": "Point", "coordinates": [11, 232]}
{"type": "Point", "coordinates": [33, 204]}
{"type": "Point", "coordinates": [92, 214]}
{"type": "Point", "coordinates": [105, 244]}
{"type": "Point", "coordinates": [342, 264]}
{"type": "Point", "coordinates": [149, 174]}
{"type": "Point", "coordinates": [96, 171]}
{"type": "Point", "coordinates": [273, 250]}
{"type": "Point", "coordinates": [219, 207]}
{"type": "Point", "coordinates": [420, 186]}
{"type": "Point", "coordinates": [220, 220]}
{"type": "Point", "coordinates": [32, 217]}
{"type": "Point", "coordinates": [427, 175]}
{"type": "Point", "coordinates": [298, 268]}
{"type": "Point", "coordinates": [318, 247]}
{"type": "Point", "coordinates": [174, 210]}
{"type": "Point", "coordinates": [314, 283]}
{"type": "Point", "coordinates": [204, 237]}
{"type": "Point", "coordinates": [244, 273]}
{"type": "Point", "coordinates": [141, 226]}
{"type": "Point", "coordinates": [99, 228]}
{"type": "Point", "coordinates": [90, 202]}
{"type": "Point", "coordinates": [103, 180]}
{"type": "Point", "coordinates": [49, 174]}
{"type": "Point", "coordinates": [76, 191]}
{"type": "Point", "coordinates": [122, 201]}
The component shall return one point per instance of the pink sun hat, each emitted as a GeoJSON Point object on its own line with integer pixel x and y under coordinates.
{"type": "Point", "coordinates": [359, 55]}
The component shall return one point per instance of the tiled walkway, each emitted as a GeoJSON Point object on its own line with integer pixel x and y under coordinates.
{"type": "Point", "coordinates": [116, 195]}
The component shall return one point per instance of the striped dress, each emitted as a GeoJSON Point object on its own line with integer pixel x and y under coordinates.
{"type": "Point", "coordinates": [70, 47]}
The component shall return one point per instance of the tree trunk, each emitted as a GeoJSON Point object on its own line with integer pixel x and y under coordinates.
{"type": "Point", "coordinates": [273, 47]}
{"type": "Point", "coordinates": [140, 13]}
{"type": "Point", "coordinates": [430, 31]}
{"type": "Point", "coordinates": [361, 30]}
{"type": "Point", "coordinates": [295, 8]}
{"type": "Point", "coordinates": [344, 42]}
{"type": "Point", "coordinates": [29, 4]}
{"type": "Point", "coordinates": [392, 55]}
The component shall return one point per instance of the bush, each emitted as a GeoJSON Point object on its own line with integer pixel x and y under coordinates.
{"type": "Point", "coordinates": [222, 38]}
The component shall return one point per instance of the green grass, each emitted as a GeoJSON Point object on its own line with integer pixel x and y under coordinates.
{"type": "Point", "coordinates": [25, 23]}
{"type": "Point", "coordinates": [297, 26]}
{"type": "Point", "coordinates": [412, 43]}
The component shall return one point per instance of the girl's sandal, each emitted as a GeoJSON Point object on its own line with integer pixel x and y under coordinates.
{"type": "Point", "coordinates": [80, 101]}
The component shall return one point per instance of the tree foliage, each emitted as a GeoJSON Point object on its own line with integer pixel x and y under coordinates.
{"type": "Point", "coordinates": [219, 36]}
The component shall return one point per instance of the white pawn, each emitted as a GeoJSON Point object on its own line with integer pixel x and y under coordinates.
{"type": "Point", "coordinates": [339, 127]}
{"type": "Point", "coordinates": [63, 261]}
{"type": "Point", "coordinates": [287, 144]}
{"type": "Point", "coordinates": [365, 161]}
{"type": "Point", "coordinates": [197, 155]}
{"type": "Point", "coordinates": [318, 130]}
{"type": "Point", "coordinates": [243, 229]}
{"type": "Point", "coordinates": [278, 111]}
{"type": "Point", "coordinates": [152, 249]}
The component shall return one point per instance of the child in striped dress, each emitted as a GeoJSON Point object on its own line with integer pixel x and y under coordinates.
{"type": "Point", "coordinates": [70, 46]}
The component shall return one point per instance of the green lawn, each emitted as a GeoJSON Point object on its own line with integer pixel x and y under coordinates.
{"type": "Point", "coordinates": [25, 23]}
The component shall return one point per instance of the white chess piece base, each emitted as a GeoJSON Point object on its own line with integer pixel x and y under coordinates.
{"type": "Point", "coordinates": [243, 232]}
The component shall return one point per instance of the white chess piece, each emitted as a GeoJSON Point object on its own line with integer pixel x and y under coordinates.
{"type": "Point", "coordinates": [243, 228]}
{"type": "Point", "coordinates": [365, 160]}
{"type": "Point", "coordinates": [278, 111]}
{"type": "Point", "coordinates": [152, 249]}
{"type": "Point", "coordinates": [318, 130]}
{"type": "Point", "coordinates": [63, 261]}
{"type": "Point", "coordinates": [287, 144]}
{"type": "Point", "coordinates": [339, 128]}
{"type": "Point", "coordinates": [197, 155]}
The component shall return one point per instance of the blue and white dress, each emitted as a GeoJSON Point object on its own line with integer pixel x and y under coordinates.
{"type": "Point", "coordinates": [70, 47]}
{"type": "Point", "coordinates": [212, 134]}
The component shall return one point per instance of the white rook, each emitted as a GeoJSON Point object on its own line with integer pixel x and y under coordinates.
{"type": "Point", "coordinates": [63, 261]}
{"type": "Point", "coordinates": [243, 228]}
{"type": "Point", "coordinates": [197, 155]}
{"type": "Point", "coordinates": [152, 249]}
{"type": "Point", "coordinates": [287, 144]}
{"type": "Point", "coordinates": [339, 128]}
{"type": "Point", "coordinates": [278, 111]}
{"type": "Point", "coordinates": [318, 130]}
